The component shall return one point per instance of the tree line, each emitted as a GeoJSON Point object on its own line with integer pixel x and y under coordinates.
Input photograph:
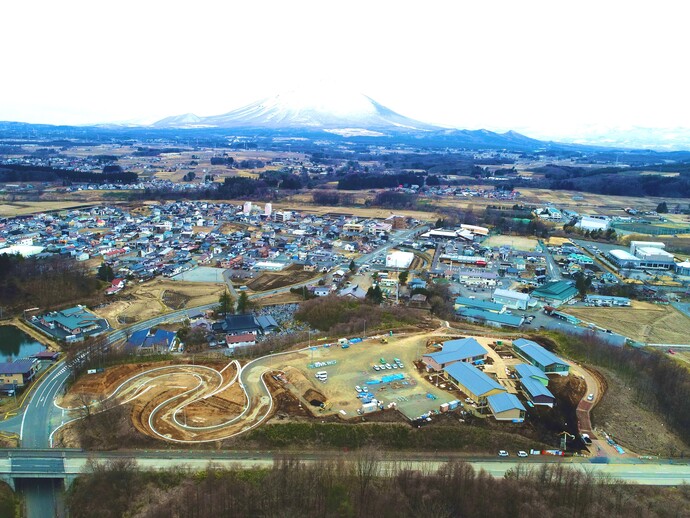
{"type": "Point", "coordinates": [47, 282]}
{"type": "Point", "coordinates": [661, 382]}
{"type": "Point", "coordinates": [30, 173]}
{"type": "Point", "coordinates": [358, 485]}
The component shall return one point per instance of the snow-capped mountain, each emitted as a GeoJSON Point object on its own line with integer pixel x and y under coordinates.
{"type": "Point", "coordinates": [336, 112]}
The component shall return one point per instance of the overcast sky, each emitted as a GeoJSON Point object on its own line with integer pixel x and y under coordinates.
{"type": "Point", "coordinates": [548, 68]}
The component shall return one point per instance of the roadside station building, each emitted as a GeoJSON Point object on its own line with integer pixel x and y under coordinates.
{"type": "Point", "coordinates": [473, 382]}
{"type": "Point", "coordinates": [464, 350]}
{"type": "Point", "coordinates": [506, 407]}
{"type": "Point", "coordinates": [511, 299]}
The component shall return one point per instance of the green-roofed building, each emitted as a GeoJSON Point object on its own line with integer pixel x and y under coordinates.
{"type": "Point", "coordinates": [555, 293]}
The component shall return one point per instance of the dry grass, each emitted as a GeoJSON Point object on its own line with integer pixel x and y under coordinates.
{"type": "Point", "coordinates": [11, 209]}
{"type": "Point", "coordinates": [643, 322]}
{"type": "Point", "coordinates": [631, 423]}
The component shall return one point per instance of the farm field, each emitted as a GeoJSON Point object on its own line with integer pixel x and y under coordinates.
{"type": "Point", "coordinates": [643, 322]}
{"type": "Point", "coordinates": [10, 209]}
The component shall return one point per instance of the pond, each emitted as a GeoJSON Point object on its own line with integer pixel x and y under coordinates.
{"type": "Point", "coordinates": [15, 343]}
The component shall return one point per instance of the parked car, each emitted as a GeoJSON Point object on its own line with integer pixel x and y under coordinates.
{"type": "Point", "coordinates": [358, 388]}
{"type": "Point", "coordinates": [388, 366]}
{"type": "Point", "coordinates": [590, 397]}
{"type": "Point", "coordinates": [503, 453]}
{"type": "Point", "coordinates": [377, 368]}
{"type": "Point", "coordinates": [522, 453]}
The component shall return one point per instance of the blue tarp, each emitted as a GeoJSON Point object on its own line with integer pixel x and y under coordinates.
{"type": "Point", "coordinates": [392, 377]}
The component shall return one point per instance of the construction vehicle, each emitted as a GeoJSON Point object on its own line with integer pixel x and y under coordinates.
{"type": "Point", "coordinates": [384, 340]}
{"type": "Point", "coordinates": [564, 437]}
{"type": "Point", "coordinates": [325, 407]}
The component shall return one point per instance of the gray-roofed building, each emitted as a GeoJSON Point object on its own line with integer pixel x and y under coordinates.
{"type": "Point", "coordinates": [535, 354]}
{"type": "Point", "coordinates": [511, 299]}
{"type": "Point", "coordinates": [473, 382]}
{"type": "Point", "coordinates": [463, 350]}
{"type": "Point", "coordinates": [506, 407]}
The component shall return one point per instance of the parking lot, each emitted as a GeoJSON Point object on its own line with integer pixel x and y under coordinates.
{"type": "Point", "coordinates": [414, 395]}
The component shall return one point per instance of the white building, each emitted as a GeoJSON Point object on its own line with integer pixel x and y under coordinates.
{"type": "Point", "coordinates": [268, 209]}
{"type": "Point", "coordinates": [398, 259]}
{"type": "Point", "coordinates": [634, 245]}
{"type": "Point", "coordinates": [269, 266]}
{"type": "Point", "coordinates": [247, 207]}
{"type": "Point", "coordinates": [591, 223]}
{"type": "Point", "coordinates": [511, 299]}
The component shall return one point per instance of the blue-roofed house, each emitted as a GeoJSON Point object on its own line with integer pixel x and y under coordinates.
{"type": "Point", "coordinates": [146, 340]}
{"type": "Point", "coordinates": [493, 319]}
{"type": "Point", "coordinates": [506, 407]}
{"type": "Point", "coordinates": [464, 350]}
{"type": "Point", "coordinates": [19, 372]}
{"type": "Point", "coordinates": [473, 382]}
{"type": "Point", "coordinates": [534, 383]}
{"type": "Point", "coordinates": [536, 355]}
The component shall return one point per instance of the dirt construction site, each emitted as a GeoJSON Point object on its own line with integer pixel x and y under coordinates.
{"type": "Point", "coordinates": [175, 402]}
{"type": "Point", "coordinates": [156, 297]}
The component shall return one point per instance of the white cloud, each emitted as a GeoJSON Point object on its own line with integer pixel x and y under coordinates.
{"type": "Point", "coordinates": [545, 67]}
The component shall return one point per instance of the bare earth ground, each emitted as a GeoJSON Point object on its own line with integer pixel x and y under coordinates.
{"type": "Point", "coordinates": [631, 424]}
{"type": "Point", "coordinates": [147, 391]}
{"type": "Point", "coordinates": [643, 322]}
{"type": "Point", "coordinates": [143, 301]}
{"type": "Point", "coordinates": [517, 242]}
{"type": "Point", "coordinates": [273, 280]}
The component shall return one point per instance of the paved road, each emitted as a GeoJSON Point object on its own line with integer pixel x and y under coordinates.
{"type": "Point", "coordinates": [633, 471]}
{"type": "Point", "coordinates": [551, 266]}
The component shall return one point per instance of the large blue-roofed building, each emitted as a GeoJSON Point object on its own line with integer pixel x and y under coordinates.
{"type": "Point", "coordinates": [535, 354]}
{"type": "Point", "coordinates": [484, 305]}
{"type": "Point", "coordinates": [506, 407]}
{"type": "Point", "coordinates": [463, 350]}
{"type": "Point", "coordinates": [473, 382]}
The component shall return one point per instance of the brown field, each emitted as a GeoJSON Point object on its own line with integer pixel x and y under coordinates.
{"type": "Point", "coordinates": [517, 242]}
{"type": "Point", "coordinates": [643, 322]}
{"type": "Point", "coordinates": [273, 280]}
{"type": "Point", "coordinates": [10, 209]}
{"type": "Point", "coordinates": [143, 301]}
{"type": "Point", "coordinates": [592, 203]}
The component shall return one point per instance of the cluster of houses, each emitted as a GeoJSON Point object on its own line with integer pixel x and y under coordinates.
{"type": "Point", "coordinates": [461, 362]}
{"type": "Point", "coordinates": [171, 238]}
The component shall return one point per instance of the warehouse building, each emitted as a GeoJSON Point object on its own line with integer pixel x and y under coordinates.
{"type": "Point", "coordinates": [555, 293]}
{"type": "Point", "coordinates": [480, 316]}
{"type": "Point", "coordinates": [506, 407]}
{"type": "Point", "coordinates": [398, 259]}
{"type": "Point", "coordinates": [484, 305]}
{"type": "Point", "coordinates": [473, 382]}
{"type": "Point", "coordinates": [624, 259]}
{"type": "Point", "coordinates": [511, 299]}
{"type": "Point", "coordinates": [536, 355]}
{"type": "Point", "coordinates": [463, 350]}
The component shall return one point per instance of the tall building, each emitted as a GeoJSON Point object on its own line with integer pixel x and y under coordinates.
{"type": "Point", "coordinates": [247, 208]}
{"type": "Point", "coordinates": [268, 209]}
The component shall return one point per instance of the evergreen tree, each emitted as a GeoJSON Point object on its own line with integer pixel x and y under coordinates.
{"type": "Point", "coordinates": [105, 272]}
{"type": "Point", "coordinates": [225, 303]}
